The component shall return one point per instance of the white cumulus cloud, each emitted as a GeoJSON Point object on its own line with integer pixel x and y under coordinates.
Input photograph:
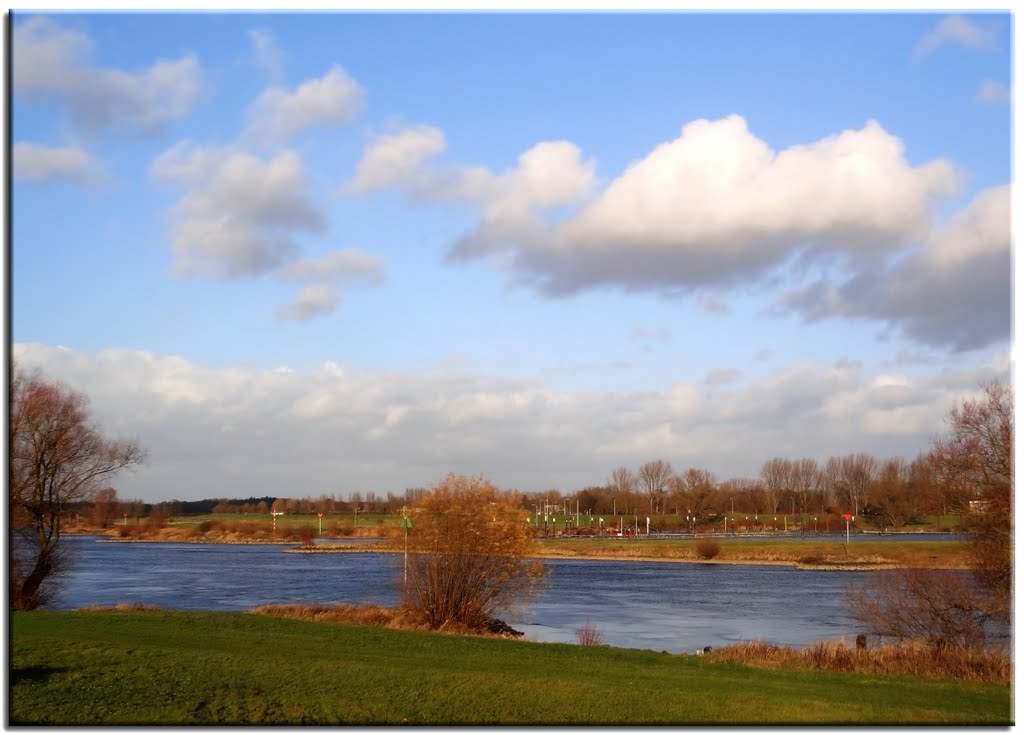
{"type": "Point", "coordinates": [396, 159]}
{"type": "Point", "coordinates": [239, 213]}
{"type": "Point", "coordinates": [49, 60]}
{"type": "Point", "coordinates": [278, 114]}
{"type": "Point", "coordinates": [954, 291]}
{"type": "Point", "coordinates": [312, 299]}
{"type": "Point", "coordinates": [320, 294]}
{"type": "Point", "coordinates": [718, 206]}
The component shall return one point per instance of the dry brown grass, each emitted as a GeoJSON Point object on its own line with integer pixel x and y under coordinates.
{"type": "Point", "coordinates": [373, 615]}
{"type": "Point", "coordinates": [123, 607]}
{"type": "Point", "coordinates": [908, 659]}
{"type": "Point", "coordinates": [384, 617]}
{"type": "Point", "coordinates": [370, 615]}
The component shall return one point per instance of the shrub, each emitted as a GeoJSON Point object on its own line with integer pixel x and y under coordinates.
{"type": "Point", "coordinates": [306, 535]}
{"type": "Point", "coordinates": [588, 634]}
{"type": "Point", "coordinates": [708, 548]}
{"type": "Point", "coordinates": [812, 559]}
{"type": "Point", "coordinates": [938, 607]}
{"type": "Point", "coordinates": [470, 551]}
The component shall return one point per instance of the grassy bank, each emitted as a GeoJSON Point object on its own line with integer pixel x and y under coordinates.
{"type": "Point", "coordinates": [814, 553]}
{"type": "Point", "coordinates": [146, 668]}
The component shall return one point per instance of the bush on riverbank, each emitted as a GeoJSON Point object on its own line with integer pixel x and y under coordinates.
{"type": "Point", "coordinates": [707, 548]}
{"type": "Point", "coordinates": [907, 659]}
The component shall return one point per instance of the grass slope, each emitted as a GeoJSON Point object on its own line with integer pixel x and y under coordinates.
{"type": "Point", "coordinates": [149, 668]}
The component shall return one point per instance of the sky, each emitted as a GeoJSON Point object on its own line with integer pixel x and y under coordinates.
{"type": "Point", "coordinates": [336, 252]}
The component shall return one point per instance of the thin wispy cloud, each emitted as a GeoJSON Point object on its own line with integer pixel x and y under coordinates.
{"type": "Point", "coordinates": [34, 162]}
{"type": "Point", "coordinates": [267, 54]}
{"type": "Point", "coordinates": [955, 30]}
{"type": "Point", "coordinates": [993, 93]}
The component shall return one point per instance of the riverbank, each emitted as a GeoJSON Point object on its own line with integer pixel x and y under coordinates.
{"type": "Point", "coordinates": [824, 555]}
{"type": "Point", "coordinates": [839, 565]}
{"type": "Point", "coordinates": [176, 668]}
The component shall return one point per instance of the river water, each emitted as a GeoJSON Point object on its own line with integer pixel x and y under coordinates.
{"type": "Point", "coordinates": [662, 606]}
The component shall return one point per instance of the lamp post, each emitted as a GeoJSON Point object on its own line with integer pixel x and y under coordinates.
{"type": "Point", "coordinates": [406, 525]}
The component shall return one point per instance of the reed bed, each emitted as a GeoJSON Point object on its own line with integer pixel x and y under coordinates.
{"type": "Point", "coordinates": [906, 659]}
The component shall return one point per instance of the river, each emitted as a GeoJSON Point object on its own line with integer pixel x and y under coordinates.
{"type": "Point", "coordinates": [675, 607]}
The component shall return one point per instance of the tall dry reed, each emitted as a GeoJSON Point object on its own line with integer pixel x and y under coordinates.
{"type": "Point", "coordinates": [910, 659]}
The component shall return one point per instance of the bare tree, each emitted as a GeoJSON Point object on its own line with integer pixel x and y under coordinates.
{"type": "Point", "coordinates": [831, 483]}
{"type": "Point", "coordinates": [654, 476]}
{"type": "Point", "coordinates": [936, 606]}
{"type": "Point", "coordinates": [856, 472]}
{"type": "Point", "coordinates": [622, 483]}
{"type": "Point", "coordinates": [950, 608]}
{"type": "Point", "coordinates": [805, 477]}
{"type": "Point", "coordinates": [889, 493]}
{"type": "Point", "coordinates": [693, 490]}
{"type": "Point", "coordinates": [105, 507]}
{"type": "Point", "coordinates": [775, 479]}
{"type": "Point", "coordinates": [978, 457]}
{"type": "Point", "coordinates": [57, 457]}
{"type": "Point", "coordinates": [470, 550]}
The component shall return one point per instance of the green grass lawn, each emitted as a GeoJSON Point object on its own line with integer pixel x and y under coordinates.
{"type": "Point", "coordinates": [176, 668]}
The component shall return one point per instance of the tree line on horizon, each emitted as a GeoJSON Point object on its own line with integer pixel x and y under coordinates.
{"type": "Point", "coordinates": [896, 491]}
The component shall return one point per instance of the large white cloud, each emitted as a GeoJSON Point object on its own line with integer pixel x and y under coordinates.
{"type": "Point", "coordinates": [232, 432]}
{"type": "Point", "coordinates": [35, 162]}
{"type": "Point", "coordinates": [49, 60]}
{"type": "Point", "coordinates": [239, 214]}
{"type": "Point", "coordinates": [717, 206]}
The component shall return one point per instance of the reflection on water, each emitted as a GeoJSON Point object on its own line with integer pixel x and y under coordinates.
{"type": "Point", "coordinates": [662, 606]}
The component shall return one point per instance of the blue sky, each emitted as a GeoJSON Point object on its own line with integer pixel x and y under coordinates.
{"type": "Point", "coordinates": [329, 252]}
